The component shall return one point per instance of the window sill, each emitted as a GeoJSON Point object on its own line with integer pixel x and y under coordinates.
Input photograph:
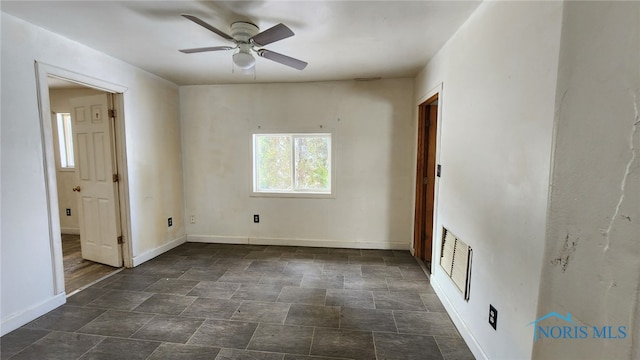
{"type": "Point", "coordinates": [292, 195]}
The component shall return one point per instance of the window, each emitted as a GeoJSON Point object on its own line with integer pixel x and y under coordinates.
{"type": "Point", "coordinates": [65, 140]}
{"type": "Point", "coordinates": [292, 163]}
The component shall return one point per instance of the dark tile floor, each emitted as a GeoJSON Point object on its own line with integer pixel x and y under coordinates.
{"type": "Point", "coordinates": [216, 301]}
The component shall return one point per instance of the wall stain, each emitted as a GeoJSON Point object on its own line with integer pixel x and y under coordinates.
{"type": "Point", "coordinates": [566, 253]}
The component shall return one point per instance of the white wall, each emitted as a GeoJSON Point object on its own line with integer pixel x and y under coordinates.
{"type": "Point", "coordinates": [592, 256]}
{"type": "Point", "coordinates": [66, 178]}
{"type": "Point", "coordinates": [374, 132]}
{"type": "Point", "coordinates": [499, 75]}
{"type": "Point", "coordinates": [153, 152]}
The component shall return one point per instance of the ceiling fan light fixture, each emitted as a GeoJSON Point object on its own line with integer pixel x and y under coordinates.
{"type": "Point", "coordinates": [248, 38]}
{"type": "Point", "coordinates": [244, 60]}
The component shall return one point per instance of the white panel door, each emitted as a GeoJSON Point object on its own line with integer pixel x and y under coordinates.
{"type": "Point", "coordinates": [98, 208]}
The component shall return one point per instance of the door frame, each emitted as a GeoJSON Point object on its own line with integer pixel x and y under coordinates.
{"type": "Point", "coordinates": [43, 72]}
{"type": "Point", "coordinates": [433, 93]}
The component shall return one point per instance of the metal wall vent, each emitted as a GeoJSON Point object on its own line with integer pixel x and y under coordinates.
{"type": "Point", "coordinates": [455, 260]}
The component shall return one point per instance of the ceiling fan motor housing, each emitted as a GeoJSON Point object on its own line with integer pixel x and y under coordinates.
{"type": "Point", "coordinates": [242, 31]}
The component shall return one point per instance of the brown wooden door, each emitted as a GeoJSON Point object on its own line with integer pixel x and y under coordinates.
{"type": "Point", "coordinates": [425, 179]}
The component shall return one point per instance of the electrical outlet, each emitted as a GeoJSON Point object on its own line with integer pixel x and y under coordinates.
{"type": "Point", "coordinates": [192, 219]}
{"type": "Point", "coordinates": [493, 317]}
{"type": "Point", "coordinates": [256, 218]}
{"type": "Point", "coordinates": [68, 212]}
{"type": "Point", "coordinates": [170, 222]}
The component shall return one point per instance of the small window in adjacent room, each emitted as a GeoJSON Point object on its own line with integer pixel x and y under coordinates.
{"type": "Point", "coordinates": [65, 140]}
{"type": "Point", "coordinates": [292, 163]}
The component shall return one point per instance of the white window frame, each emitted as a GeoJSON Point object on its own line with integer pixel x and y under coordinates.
{"type": "Point", "coordinates": [64, 138]}
{"type": "Point", "coordinates": [295, 193]}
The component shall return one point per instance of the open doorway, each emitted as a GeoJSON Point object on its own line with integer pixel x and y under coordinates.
{"type": "Point", "coordinates": [426, 173]}
{"type": "Point", "coordinates": [79, 269]}
{"type": "Point", "coordinates": [99, 140]}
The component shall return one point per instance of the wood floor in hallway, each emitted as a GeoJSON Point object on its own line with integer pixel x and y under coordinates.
{"type": "Point", "coordinates": [79, 272]}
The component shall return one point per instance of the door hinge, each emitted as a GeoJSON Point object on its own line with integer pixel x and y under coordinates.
{"type": "Point", "coordinates": [116, 178]}
{"type": "Point", "coordinates": [112, 113]}
{"type": "Point", "coordinates": [120, 240]}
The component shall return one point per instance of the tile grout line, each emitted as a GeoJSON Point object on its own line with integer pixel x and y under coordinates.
{"type": "Point", "coordinates": [30, 345]}
{"type": "Point", "coordinates": [236, 309]}
{"type": "Point", "coordinates": [395, 322]}
{"type": "Point", "coordinates": [375, 348]}
{"type": "Point", "coordinates": [438, 346]}
{"type": "Point", "coordinates": [143, 325]}
{"type": "Point", "coordinates": [324, 303]}
{"type": "Point", "coordinates": [246, 348]}
{"type": "Point", "coordinates": [156, 349]}
{"type": "Point", "coordinates": [234, 291]}
{"type": "Point", "coordinates": [93, 347]}
{"type": "Point", "coordinates": [313, 337]}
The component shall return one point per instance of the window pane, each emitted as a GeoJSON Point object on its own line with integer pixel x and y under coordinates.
{"type": "Point", "coordinates": [61, 142]}
{"type": "Point", "coordinates": [68, 137]}
{"type": "Point", "coordinates": [273, 163]}
{"type": "Point", "coordinates": [65, 140]}
{"type": "Point", "coordinates": [313, 163]}
{"type": "Point", "coordinates": [292, 163]}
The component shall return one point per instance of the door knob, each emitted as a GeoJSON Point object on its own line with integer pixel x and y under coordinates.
{"type": "Point", "coordinates": [77, 188]}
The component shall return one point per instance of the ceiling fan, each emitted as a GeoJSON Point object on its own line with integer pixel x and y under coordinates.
{"type": "Point", "coordinates": [247, 38]}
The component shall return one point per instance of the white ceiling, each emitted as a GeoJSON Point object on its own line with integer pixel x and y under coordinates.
{"type": "Point", "coordinates": [339, 39]}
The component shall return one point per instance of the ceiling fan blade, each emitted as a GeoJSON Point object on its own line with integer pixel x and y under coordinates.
{"type": "Point", "coordinates": [203, 49]}
{"type": "Point", "coordinates": [282, 59]}
{"type": "Point", "coordinates": [207, 26]}
{"type": "Point", "coordinates": [272, 34]}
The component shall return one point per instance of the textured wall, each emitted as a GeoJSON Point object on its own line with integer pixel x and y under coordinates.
{"type": "Point", "coordinates": [591, 267]}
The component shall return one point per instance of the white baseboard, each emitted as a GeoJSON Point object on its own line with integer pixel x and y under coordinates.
{"type": "Point", "coordinates": [218, 239]}
{"type": "Point", "coordinates": [72, 231]}
{"type": "Point", "coordinates": [148, 255]}
{"type": "Point", "coordinates": [298, 242]}
{"type": "Point", "coordinates": [16, 320]}
{"type": "Point", "coordinates": [464, 331]}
